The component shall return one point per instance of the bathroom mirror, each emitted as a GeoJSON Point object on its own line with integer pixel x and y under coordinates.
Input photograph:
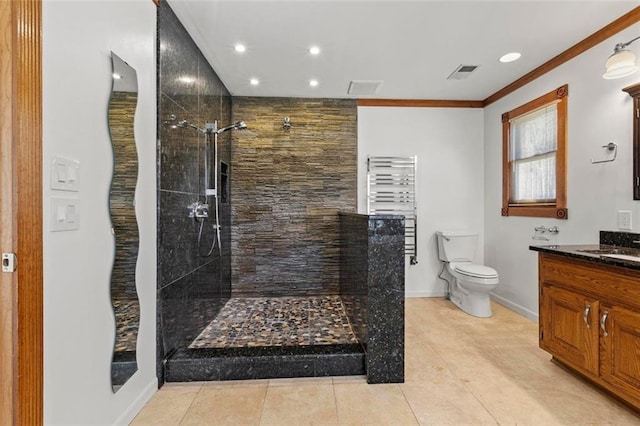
{"type": "Point", "coordinates": [634, 92]}
{"type": "Point", "coordinates": [124, 226]}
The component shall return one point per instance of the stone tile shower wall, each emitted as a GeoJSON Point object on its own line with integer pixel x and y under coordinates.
{"type": "Point", "coordinates": [288, 186]}
{"type": "Point", "coordinates": [191, 287]}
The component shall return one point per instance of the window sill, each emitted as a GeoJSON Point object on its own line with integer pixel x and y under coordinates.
{"type": "Point", "coordinates": [536, 211]}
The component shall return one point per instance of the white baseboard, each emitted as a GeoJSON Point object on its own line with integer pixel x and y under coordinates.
{"type": "Point", "coordinates": [431, 293]}
{"type": "Point", "coordinates": [137, 404]}
{"type": "Point", "coordinates": [533, 316]}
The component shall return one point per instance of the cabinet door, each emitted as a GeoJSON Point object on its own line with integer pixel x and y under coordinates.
{"type": "Point", "coordinates": [620, 337]}
{"type": "Point", "coordinates": [569, 328]}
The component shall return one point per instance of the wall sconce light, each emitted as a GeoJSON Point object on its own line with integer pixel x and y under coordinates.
{"type": "Point", "coordinates": [622, 62]}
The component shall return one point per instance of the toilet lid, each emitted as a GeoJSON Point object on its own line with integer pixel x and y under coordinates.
{"type": "Point", "coordinates": [473, 270]}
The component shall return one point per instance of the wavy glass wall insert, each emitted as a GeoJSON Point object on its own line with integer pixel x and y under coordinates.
{"type": "Point", "coordinates": [124, 226]}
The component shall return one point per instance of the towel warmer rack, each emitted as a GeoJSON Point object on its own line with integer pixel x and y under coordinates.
{"type": "Point", "coordinates": [391, 189]}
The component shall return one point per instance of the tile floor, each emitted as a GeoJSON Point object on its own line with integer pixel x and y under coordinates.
{"type": "Point", "coordinates": [460, 370]}
{"type": "Point", "coordinates": [278, 321]}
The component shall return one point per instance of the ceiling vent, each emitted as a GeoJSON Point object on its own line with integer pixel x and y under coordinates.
{"type": "Point", "coordinates": [364, 87]}
{"type": "Point", "coordinates": [462, 72]}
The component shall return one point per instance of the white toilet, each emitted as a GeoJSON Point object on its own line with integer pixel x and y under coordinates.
{"type": "Point", "coordinates": [469, 283]}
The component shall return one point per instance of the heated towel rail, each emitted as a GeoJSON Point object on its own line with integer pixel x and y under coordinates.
{"type": "Point", "coordinates": [391, 189]}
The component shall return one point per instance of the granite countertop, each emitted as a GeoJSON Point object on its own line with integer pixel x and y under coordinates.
{"type": "Point", "coordinates": [577, 251]}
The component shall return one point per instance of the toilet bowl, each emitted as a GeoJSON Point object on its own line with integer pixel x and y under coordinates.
{"type": "Point", "coordinates": [469, 283]}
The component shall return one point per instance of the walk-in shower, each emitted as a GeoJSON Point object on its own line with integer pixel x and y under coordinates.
{"type": "Point", "coordinates": [200, 210]}
{"type": "Point", "coordinates": [271, 304]}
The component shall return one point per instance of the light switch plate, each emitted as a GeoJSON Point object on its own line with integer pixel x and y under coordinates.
{"type": "Point", "coordinates": [65, 214]}
{"type": "Point", "coordinates": [624, 220]}
{"type": "Point", "coordinates": [65, 174]}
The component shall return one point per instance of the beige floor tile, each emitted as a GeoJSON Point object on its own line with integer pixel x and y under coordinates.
{"type": "Point", "coordinates": [361, 404]}
{"type": "Point", "coordinates": [169, 405]}
{"type": "Point", "coordinates": [230, 405]}
{"type": "Point", "coordinates": [445, 401]}
{"type": "Point", "coordinates": [573, 401]}
{"type": "Point", "coordinates": [257, 383]}
{"type": "Point", "coordinates": [303, 404]}
{"type": "Point", "coordinates": [511, 403]}
{"type": "Point", "coordinates": [469, 362]}
{"type": "Point", "coordinates": [300, 381]}
{"type": "Point", "coordinates": [349, 380]}
{"type": "Point", "coordinates": [422, 363]}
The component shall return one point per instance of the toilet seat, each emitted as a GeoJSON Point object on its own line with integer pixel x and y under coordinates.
{"type": "Point", "coordinates": [475, 271]}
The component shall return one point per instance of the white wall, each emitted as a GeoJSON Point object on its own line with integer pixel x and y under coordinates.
{"type": "Point", "coordinates": [599, 113]}
{"type": "Point", "coordinates": [449, 146]}
{"type": "Point", "coordinates": [79, 323]}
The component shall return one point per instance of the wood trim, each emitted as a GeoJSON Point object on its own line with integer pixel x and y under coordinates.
{"type": "Point", "coordinates": [540, 102]}
{"type": "Point", "coordinates": [536, 211]}
{"type": "Point", "coordinates": [559, 209]}
{"type": "Point", "coordinates": [506, 174]}
{"type": "Point", "coordinates": [561, 155]}
{"type": "Point", "coordinates": [419, 103]}
{"type": "Point", "coordinates": [21, 82]}
{"type": "Point", "coordinates": [599, 36]}
{"type": "Point", "coordinates": [634, 92]}
{"type": "Point", "coordinates": [8, 282]}
{"type": "Point", "coordinates": [28, 142]}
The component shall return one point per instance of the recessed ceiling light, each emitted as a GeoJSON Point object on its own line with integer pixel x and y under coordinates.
{"type": "Point", "coordinates": [117, 76]}
{"type": "Point", "coordinates": [510, 57]}
{"type": "Point", "coordinates": [313, 83]}
{"type": "Point", "coordinates": [240, 48]}
{"type": "Point", "coordinates": [314, 50]}
{"type": "Point", "coordinates": [254, 81]}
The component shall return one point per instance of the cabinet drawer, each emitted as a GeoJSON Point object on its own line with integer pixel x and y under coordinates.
{"type": "Point", "coordinates": [615, 284]}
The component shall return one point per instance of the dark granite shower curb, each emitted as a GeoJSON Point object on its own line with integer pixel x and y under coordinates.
{"type": "Point", "coordinates": [188, 365]}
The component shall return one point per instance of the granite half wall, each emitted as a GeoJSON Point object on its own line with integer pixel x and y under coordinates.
{"type": "Point", "coordinates": [191, 286]}
{"type": "Point", "coordinates": [288, 186]}
{"type": "Point", "coordinates": [372, 266]}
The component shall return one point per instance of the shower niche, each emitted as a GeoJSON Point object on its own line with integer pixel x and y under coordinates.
{"type": "Point", "coordinates": [124, 225]}
{"type": "Point", "coordinates": [224, 182]}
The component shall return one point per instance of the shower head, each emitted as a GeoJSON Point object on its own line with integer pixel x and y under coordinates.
{"type": "Point", "coordinates": [238, 125]}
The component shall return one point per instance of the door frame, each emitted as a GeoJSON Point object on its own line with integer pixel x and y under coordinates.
{"type": "Point", "coordinates": [21, 292]}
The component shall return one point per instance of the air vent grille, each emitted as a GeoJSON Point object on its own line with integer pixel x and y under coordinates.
{"type": "Point", "coordinates": [364, 87]}
{"type": "Point", "coordinates": [462, 72]}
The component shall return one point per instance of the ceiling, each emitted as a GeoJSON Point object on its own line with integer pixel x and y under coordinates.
{"type": "Point", "coordinates": [412, 46]}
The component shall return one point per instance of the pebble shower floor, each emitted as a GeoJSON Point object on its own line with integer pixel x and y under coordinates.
{"type": "Point", "coordinates": [278, 321]}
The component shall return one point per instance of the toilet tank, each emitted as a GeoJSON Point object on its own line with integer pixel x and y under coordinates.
{"type": "Point", "coordinates": [457, 246]}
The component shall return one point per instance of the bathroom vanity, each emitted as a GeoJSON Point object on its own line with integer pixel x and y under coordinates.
{"type": "Point", "coordinates": [589, 308]}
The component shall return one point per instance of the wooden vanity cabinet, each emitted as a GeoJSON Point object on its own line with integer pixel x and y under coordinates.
{"type": "Point", "coordinates": [569, 328]}
{"type": "Point", "coordinates": [590, 321]}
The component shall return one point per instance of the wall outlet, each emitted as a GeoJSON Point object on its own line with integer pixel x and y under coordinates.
{"type": "Point", "coordinates": [624, 220]}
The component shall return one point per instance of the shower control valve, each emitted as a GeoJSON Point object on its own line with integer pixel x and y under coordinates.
{"type": "Point", "coordinates": [198, 210]}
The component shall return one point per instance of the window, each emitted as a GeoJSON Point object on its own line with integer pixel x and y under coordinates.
{"type": "Point", "coordinates": [534, 157]}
